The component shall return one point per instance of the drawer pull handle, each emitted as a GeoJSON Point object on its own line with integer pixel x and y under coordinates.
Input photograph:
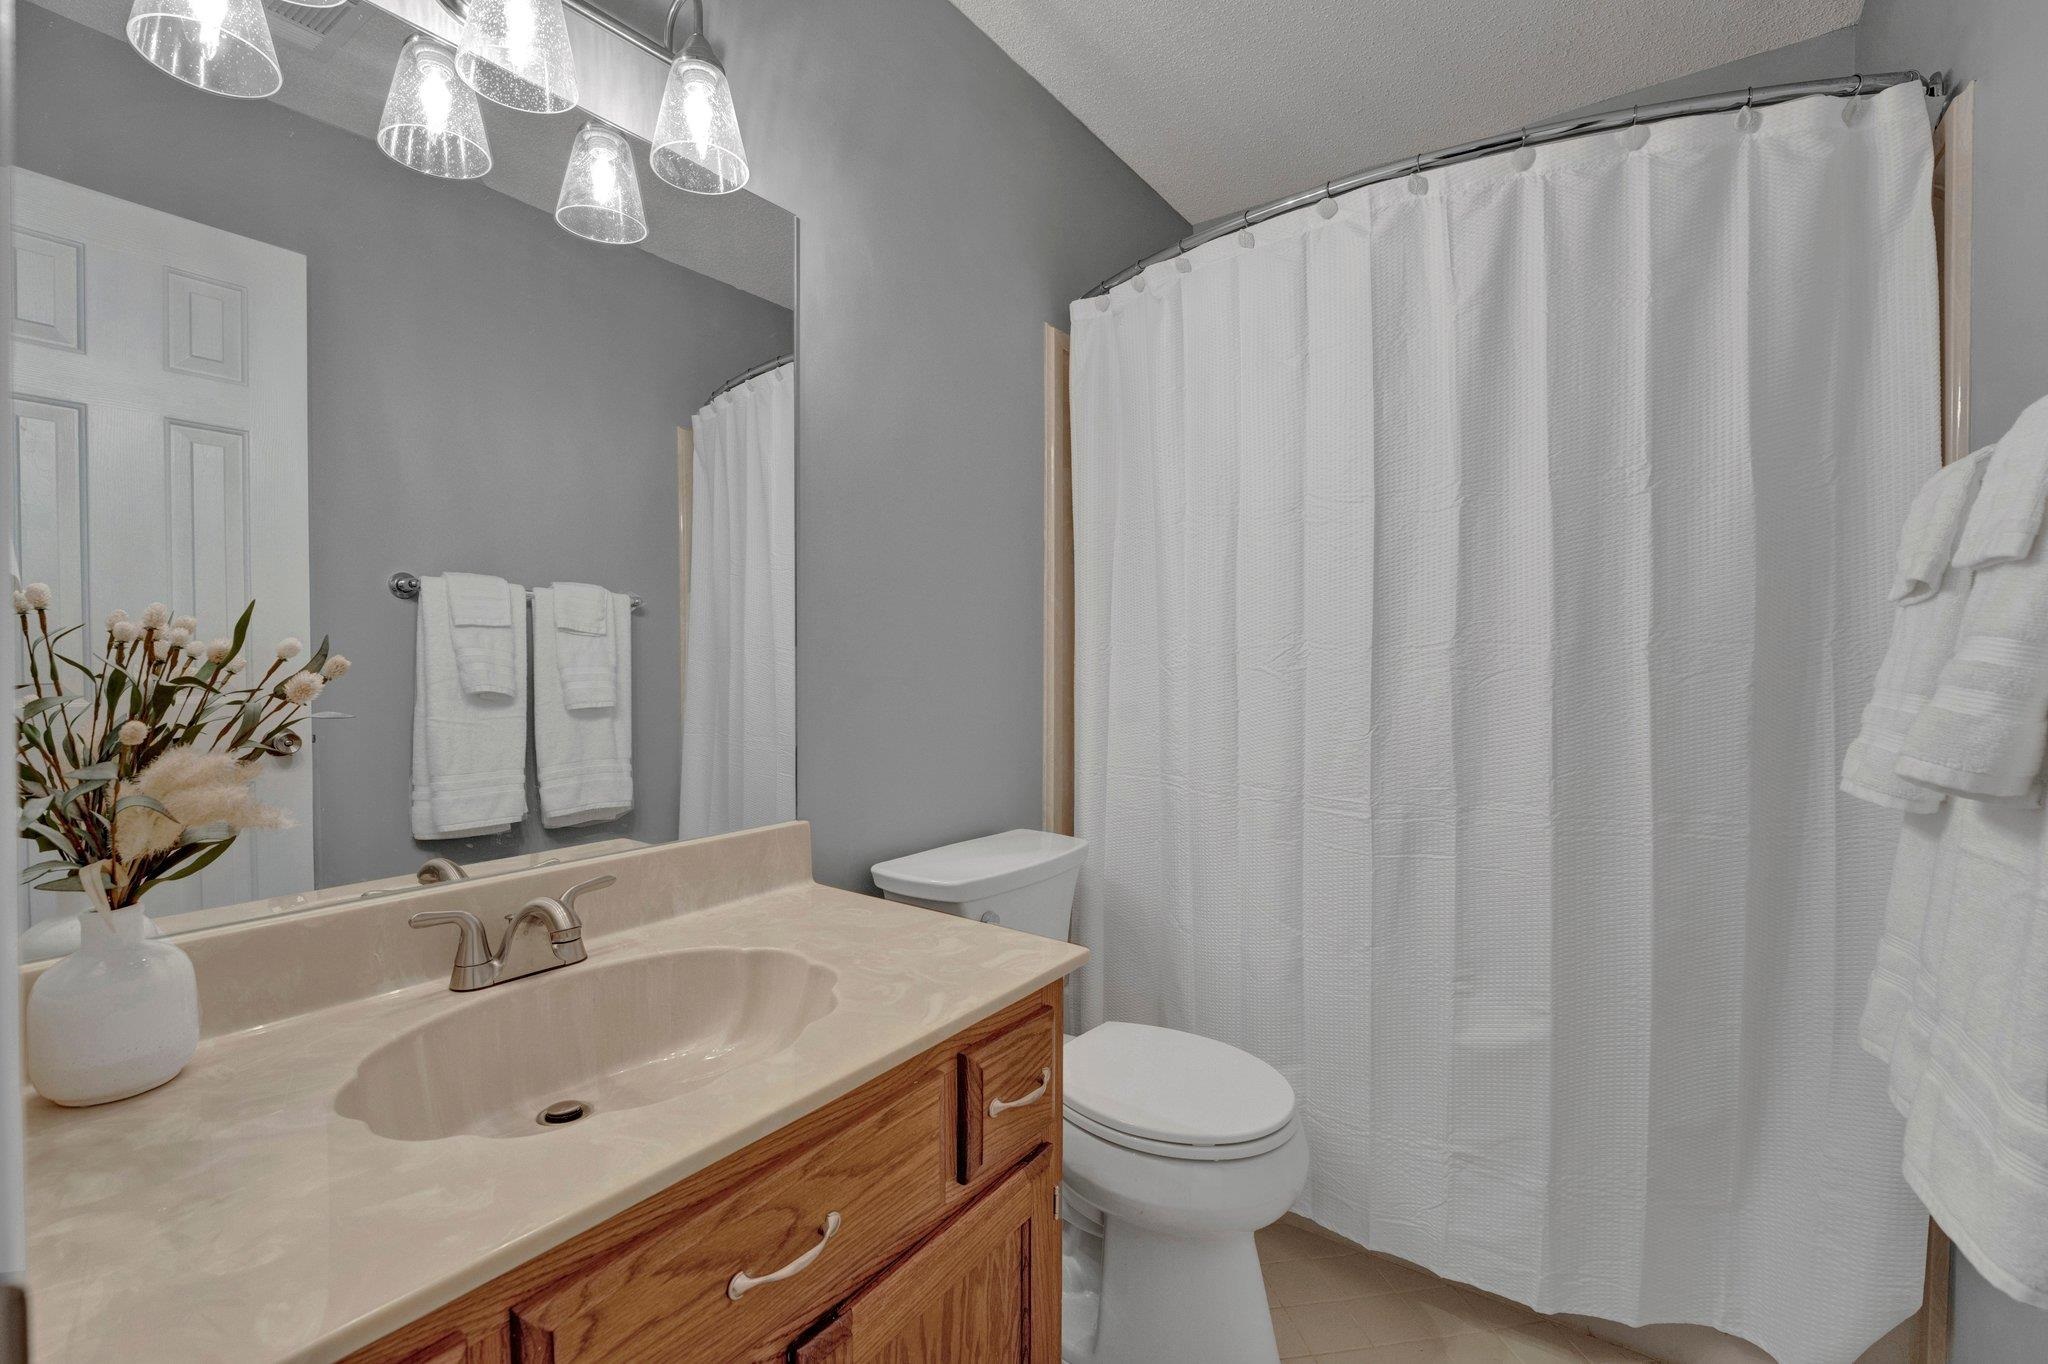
{"type": "Point", "coordinates": [998, 1107]}
{"type": "Point", "coordinates": [743, 1281]}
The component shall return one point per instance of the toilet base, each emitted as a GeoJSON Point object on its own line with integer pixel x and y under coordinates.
{"type": "Point", "coordinates": [1166, 1299]}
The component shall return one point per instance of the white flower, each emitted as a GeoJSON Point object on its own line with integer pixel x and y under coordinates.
{"type": "Point", "coordinates": [115, 617]}
{"type": "Point", "coordinates": [178, 636]}
{"type": "Point", "coordinates": [288, 649]}
{"type": "Point", "coordinates": [301, 688]}
{"type": "Point", "coordinates": [217, 651]}
{"type": "Point", "coordinates": [125, 631]}
{"type": "Point", "coordinates": [236, 665]}
{"type": "Point", "coordinates": [133, 733]}
{"type": "Point", "coordinates": [155, 616]}
{"type": "Point", "coordinates": [21, 603]}
{"type": "Point", "coordinates": [189, 624]}
{"type": "Point", "coordinates": [37, 595]}
{"type": "Point", "coordinates": [195, 652]}
{"type": "Point", "coordinates": [335, 667]}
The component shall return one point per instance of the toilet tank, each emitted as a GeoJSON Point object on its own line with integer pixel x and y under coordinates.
{"type": "Point", "coordinates": [1023, 879]}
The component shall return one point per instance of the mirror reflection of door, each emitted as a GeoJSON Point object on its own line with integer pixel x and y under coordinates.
{"type": "Point", "coordinates": [160, 430]}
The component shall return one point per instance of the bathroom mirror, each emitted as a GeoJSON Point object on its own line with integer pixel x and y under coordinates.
{"type": "Point", "coordinates": [258, 358]}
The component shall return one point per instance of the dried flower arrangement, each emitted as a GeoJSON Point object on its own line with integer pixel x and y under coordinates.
{"type": "Point", "coordinates": [138, 772]}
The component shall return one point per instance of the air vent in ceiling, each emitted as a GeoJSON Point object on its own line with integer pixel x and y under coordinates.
{"type": "Point", "coordinates": [309, 26]}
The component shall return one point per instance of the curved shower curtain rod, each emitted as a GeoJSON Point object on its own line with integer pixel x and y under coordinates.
{"type": "Point", "coordinates": [1534, 135]}
{"type": "Point", "coordinates": [756, 372]}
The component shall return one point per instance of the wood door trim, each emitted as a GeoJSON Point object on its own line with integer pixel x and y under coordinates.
{"type": "Point", "coordinates": [1954, 143]}
{"type": "Point", "coordinates": [1058, 684]}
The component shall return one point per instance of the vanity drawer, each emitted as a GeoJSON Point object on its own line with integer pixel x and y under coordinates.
{"type": "Point", "coordinates": [667, 1295]}
{"type": "Point", "coordinates": [1009, 1095]}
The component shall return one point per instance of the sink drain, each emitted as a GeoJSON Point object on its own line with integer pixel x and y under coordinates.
{"type": "Point", "coordinates": [568, 1110]}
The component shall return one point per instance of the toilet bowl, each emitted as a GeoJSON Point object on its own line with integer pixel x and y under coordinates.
{"type": "Point", "coordinates": [1177, 1147]}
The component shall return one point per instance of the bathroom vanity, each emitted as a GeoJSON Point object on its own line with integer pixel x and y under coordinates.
{"type": "Point", "coordinates": [817, 1126]}
{"type": "Point", "coordinates": [901, 1221]}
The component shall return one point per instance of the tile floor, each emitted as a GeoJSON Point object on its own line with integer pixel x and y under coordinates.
{"type": "Point", "coordinates": [1336, 1304]}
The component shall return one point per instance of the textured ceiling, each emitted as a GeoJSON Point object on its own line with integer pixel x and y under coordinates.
{"type": "Point", "coordinates": [1220, 106]}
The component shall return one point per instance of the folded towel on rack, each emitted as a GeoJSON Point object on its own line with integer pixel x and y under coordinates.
{"type": "Point", "coordinates": [468, 748]}
{"type": "Point", "coordinates": [485, 614]}
{"type": "Point", "coordinates": [2006, 520]}
{"type": "Point", "coordinates": [1958, 1011]}
{"type": "Point", "coordinates": [1982, 734]}
{"type": "Point", "coordinates": [584, 656]}
{"type": "Point", "coordinates": [585, 753]}
{"type": "Point", "coordinates": [1931, 593]}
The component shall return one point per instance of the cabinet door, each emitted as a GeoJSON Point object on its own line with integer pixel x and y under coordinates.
{"type": "Point", "coordinates": [984, 1290]}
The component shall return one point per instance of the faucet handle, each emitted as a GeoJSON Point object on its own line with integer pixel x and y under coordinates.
{"type": "Point", "coordinates": [594, 883]}
{"type": "Point", "coordinates": [474, 948]}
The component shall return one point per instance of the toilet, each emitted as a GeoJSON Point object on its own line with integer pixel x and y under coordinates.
{"type": "Point", "coordinates": [1178, 1147]}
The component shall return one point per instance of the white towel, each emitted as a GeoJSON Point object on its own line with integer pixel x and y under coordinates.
{"type": "Point", "coordinates": [2007, 518]}
{"type": "Point", "coordinates": [468, 750]}
{"type": "Point", "coordinates": [1930, 593]}
{"type": "Point", "coordinates": [585, 755]}
{"type": "Point", "coordinates": [1958, 1009]}
{"type": "Point", "coordinates": [584, 658]}
{"type": "Point", "coordinates": [1983, 732]}
{"type": "Point", "coordinates": [485, 613]}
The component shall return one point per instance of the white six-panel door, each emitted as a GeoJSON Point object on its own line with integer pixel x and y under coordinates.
{"type": "Point", "coordinates": [160, 435]}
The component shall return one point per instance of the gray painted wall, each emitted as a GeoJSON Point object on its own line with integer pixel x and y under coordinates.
{"type": "Point", "coordinates": [488, 393]}
{"type": "Point", "coordinates": [950, 207]}
{"type": "Point", "coordinates": [2002, 47]}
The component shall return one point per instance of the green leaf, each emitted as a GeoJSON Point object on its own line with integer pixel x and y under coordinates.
{"type": "Point", "coordinates": [63, 883]}
{"type": "Point", "coordinates": [197, 864]}
{"type": "Point", "coordinates": [139, 801]}
{"type": "Point", "coordinates": [241, 629]}
{"type": "Point", "coordinates": [319, 658]}
{"type": "Point", "coordinates": [42, 868]}
{"type": "Point", "coordinates": [96, 772]}
{"type": "Point", "coordinates": [71, 794]}
{"type": "Point", "coordinates": [33, 810]}
{"type": "Point", "coordinates": [42, 705]}
{"type": "Point", "coordinates": [208, 833]}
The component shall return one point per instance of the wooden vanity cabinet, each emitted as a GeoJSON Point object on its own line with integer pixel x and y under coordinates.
{"type": "Point", "coordinates": [918, 1212]}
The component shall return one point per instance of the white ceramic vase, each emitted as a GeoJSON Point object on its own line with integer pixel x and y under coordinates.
{"type": "Point", "coordinates": [115, 1018]}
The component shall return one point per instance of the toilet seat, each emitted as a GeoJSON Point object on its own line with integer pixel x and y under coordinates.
{"type": "Point", "coordinates": [1175, 1094]}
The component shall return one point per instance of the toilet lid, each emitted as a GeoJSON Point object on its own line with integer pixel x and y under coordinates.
{"type": "Point", "coordinates": [1173, 1086]}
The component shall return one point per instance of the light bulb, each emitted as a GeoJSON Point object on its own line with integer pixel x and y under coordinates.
{"type": "Point", "coordinates": [431, 121]}
{"type": "Point", "coordinates": [697, 143]}
{"type": "Point", "coordinates": [516, 53]}
{"type": "Point", "coordinates": [600, 196]}
{"type": "Point", "coordinates": [210, 15]}
{"type": "Point", "coordinates": [218, 45]}
{"type": "Point", "coordinates": [436, 99]}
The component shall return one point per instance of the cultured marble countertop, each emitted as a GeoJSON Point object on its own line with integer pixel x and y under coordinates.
{"type": "Point", "coordinates": [233, 1215]}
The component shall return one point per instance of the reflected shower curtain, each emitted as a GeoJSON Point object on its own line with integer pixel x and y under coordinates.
{"type": "Point", "coordinates": [1478, 581]}
{"type": "Point", "coordinates": [739, 669]}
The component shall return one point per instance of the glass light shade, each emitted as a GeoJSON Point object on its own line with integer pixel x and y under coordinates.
{"type": "Point", "coordinates": [697, 143]}
{"type": "Point", "coordinates": [431, 120]}
{"type": "Point", "coordinates": [516, 53]}
{"type": "Point", "coordinates": [600, 196]}
{"type": "Point", "coordinates": [218, 45]}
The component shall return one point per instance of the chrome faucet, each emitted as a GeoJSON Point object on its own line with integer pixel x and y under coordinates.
{"type": "Point", "coordinates": [439, 871]}
{"type": "Point", "coordinates": [476, 966]}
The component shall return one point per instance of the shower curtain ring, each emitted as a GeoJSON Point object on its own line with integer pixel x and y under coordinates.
{"type": "Point", "coordinates": [1859, 86]}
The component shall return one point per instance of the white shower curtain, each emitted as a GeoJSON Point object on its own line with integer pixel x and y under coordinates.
{"type": "Point", "coordinates": [1478, 581]}
{"type": "Point", "coordinates": [739, 674]}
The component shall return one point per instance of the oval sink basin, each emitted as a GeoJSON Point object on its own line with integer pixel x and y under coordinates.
{"type": "Point", "coordinates": [604, 1035]}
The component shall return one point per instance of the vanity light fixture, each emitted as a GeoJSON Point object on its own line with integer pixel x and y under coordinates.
{"type": "Point", "coordinates": [431, 121]}
{"type": "Point", "coordinates": [222, 46]}
{"type": "Point", "coordinates": [697, 143]}
{"type": "Point", "coordinates": [600, 196]}
{"type": "Point", "coordinates": [516, 53]}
